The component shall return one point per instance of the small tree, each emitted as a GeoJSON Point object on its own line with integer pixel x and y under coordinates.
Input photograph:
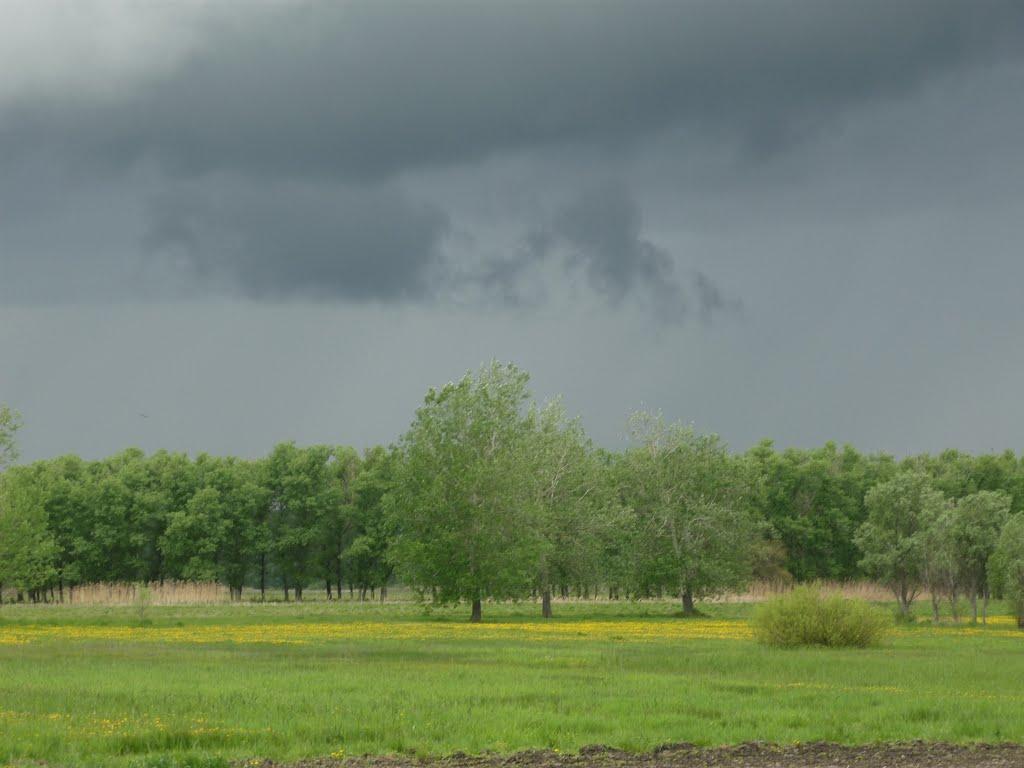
{"type": "Point", "coordinates": [463, 529]}
{"type": "Point", "coordinates": [27, 548]}
{"type": "Point", "coordinates": [892, 539]}
{"type": "Point", "coordinates": [569, 502]}
{"type": "Point", "coordinates": [978, 520]}
{"type": "Point", "coordinates": [301, 489]}
{"type": "Point", "coordinates": [939, 571]}
{"type": "Point", "coordinates": [366, 560]}
{"type": "Point", "coordinates": [195, 535]}
{"type": "Point", "coordinates": [10, 422]}
{"type": "Point", "coordinates": [1006, 566]}
{"type": "Point", "coordinates": [337, 524]}
{"type": "Point", "coordinates": [695, 532]}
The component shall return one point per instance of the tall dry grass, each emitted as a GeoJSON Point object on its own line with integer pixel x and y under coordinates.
{"type": "Point", "coordinates": [209, 593]}
{"type": "Point", "coordinates": [155, 593]}
{"type": "Point", "coordinates": [766, 590]}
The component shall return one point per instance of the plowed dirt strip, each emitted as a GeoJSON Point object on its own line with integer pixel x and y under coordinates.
{"type": "Point", "coordinates": [818, 755]}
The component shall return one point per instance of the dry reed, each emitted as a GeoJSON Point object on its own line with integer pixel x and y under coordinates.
{"type": "Point", "coordinates": [765, 590]}
{"type": "Point", "coordinates": [154, 593]}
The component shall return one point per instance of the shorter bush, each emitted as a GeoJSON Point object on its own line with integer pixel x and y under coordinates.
{"type": "Point", "coordinates": [806, 617]}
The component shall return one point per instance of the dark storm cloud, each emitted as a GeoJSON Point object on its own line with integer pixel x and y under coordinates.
{"type": "Point", "coordinates": [307, 241]}
{"type": "Point", "coordinates": [390, 192]}
{"type": "Point", "coordinates": [601, 234]}
{"type": "Point", "coordinates": [710, 298]}
{"type": "Point", "coordinates": [320, 113]}
{"type": "Point", "coordinates": [364, 90]}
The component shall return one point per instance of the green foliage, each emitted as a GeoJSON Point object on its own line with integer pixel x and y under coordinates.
{"type": "Point", "coordinates": [892, 537]}
{"type": "Point", "coordinates": [27, 547]}
{"type": "Point", "coordinates": [940, 571]}
{"type": "Point", "coordinates": [814, 501]}
{"type": "Point", "coordinates": [1006, 565]}
{"type": "Point", "coordinates": [572, 510]}
{"type": "Point", "coordinates": [462, 529]}
{"type": "Point", "coordinates": [490, 496]}
{"type": "Point", "coordinates": [10, 422]}
{"type": "Point", "coordinates": [978, 520]}
{"type": "Point", "coordinates": [695, 532]}
{"type": "Point", "coordinates": [304, 500]}
{"type": "Point", "coordinates": [365, 560]}
{"type": "Point", "coordinates": [806, 617]}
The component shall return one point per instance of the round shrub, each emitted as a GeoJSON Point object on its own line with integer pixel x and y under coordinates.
{"type": "Point", "coordinates": [807, 617]}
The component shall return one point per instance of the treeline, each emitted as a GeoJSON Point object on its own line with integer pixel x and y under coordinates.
{"type": "Point", "coordinates": [491, 496]}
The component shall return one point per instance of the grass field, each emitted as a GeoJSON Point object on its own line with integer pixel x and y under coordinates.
{"type": "Point", "coordinates": [112, 685]}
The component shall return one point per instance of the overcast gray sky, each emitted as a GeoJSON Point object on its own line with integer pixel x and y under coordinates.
{"type": "Point", "coordinates": [225, 225]}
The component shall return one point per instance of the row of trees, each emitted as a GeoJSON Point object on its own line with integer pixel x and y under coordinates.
{"type": "Point", "coordinates": [916, 538]}
{"type": "Point", "coordinates": [297, 517]}
{"type": "Point", "coordinates": [491, 496]}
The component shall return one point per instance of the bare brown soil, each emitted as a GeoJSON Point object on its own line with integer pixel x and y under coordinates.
{"type": "Point", "coordinates": [754, 755]}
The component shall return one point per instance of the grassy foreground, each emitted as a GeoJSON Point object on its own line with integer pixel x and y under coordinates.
{"type": "Point", "coordinates": [88, 686]}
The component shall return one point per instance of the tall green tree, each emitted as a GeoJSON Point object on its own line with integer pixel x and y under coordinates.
{"type": "Point", "coordinates": [978, 521]}
{"type": "Point", "coordinates": [336, 523]}
{"type": "Point", "coordinates": [366, 560]}
{"type": "Point", "coordinates": [891, 538]}
{"type": "Point", "coordinates": [27, 548]}
{"type": "Point", "coordinates": [61, 483]}
{"type": "Point", "coordinates": [814, 501]}
{"type": "Point", "coordinates": [695, 530]}
{"type": "Point", "coordinates": [212, 536]}
{"type": "Point", "coordinates": [157, 486]}
{"type": "Point", "coordinates": [1006, 566]}
{"type": "Point", "coordinates": [940, 572]}
{"type": "Point", "coordinates": [463, 529]}
{"type": "Point", "coordinates": [105, 543]}
{"type": "Point", "coordinates": [301, 489]}
{"type": "Point", "coordinates": [572, 512]}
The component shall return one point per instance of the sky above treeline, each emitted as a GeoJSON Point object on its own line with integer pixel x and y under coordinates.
{"type": "Point", "coordinates": [224, 226]}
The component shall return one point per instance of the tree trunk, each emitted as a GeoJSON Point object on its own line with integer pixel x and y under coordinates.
{"type": "Point", "coordinates": [974, 606]}
{"type": "Point", "coordinates": [688, 609]}
{"type": "Point", "coordinates": [903, 597]}
{"type": "Point", "coordinates": [545, 608]}
{"type": "Point", "coordinates": [337, 569]}
{"type": "Point", "coordinates": [327, 582]}
{"type": "Point", "coordinates": [298, 593]}
{"type": "Point", "coordinates": [263, 578]}
{"type": "Point", "coordinates": [935, 608]}
{"type": "Point", "coordinates": [383, 593]}
{"type": "Point", "coordinates": [953, 606]}
{"type": "Point", "coordinates": [477, 612]}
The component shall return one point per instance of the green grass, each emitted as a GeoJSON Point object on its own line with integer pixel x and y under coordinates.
{"type": "Point", "coordinates": [103, 702]}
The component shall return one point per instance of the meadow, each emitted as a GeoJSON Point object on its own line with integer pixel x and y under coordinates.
{"type": "Point", "coordinates": [93, 685]}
